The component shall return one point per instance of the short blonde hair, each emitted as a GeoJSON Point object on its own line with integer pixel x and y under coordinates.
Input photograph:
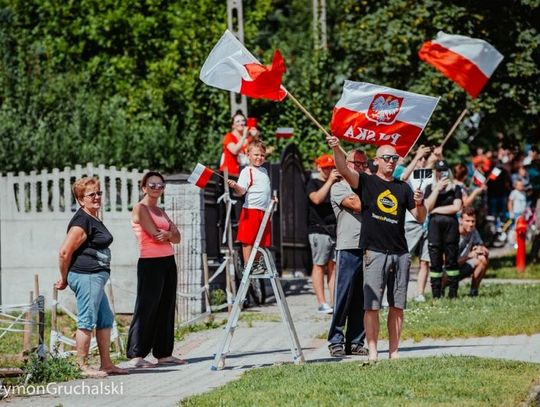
{"type": "Point", "coordinates": [79, 187]}
{"type": "Point", "coordinates": [256, 144]}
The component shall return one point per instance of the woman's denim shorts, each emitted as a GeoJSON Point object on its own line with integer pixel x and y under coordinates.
{"type": "Point", "coordinates": [92, 303]}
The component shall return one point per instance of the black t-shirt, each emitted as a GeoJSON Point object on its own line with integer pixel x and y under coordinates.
{"type": "Point", "coordinates": [445, 197]}
{"type": "Point", "coordinates": [321, 217]}
{"type": "Point", "coordinates": [94, 254]}
{"type": "Point", "coordinates": [384, 204]}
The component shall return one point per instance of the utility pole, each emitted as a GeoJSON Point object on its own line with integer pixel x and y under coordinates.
{"type": "Point", "coordinates": [235, 23]}
{"type": "Point", "coordinates": [319, 24]}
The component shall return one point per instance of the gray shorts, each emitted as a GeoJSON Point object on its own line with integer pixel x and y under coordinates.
{"type": "Point", "coordinates": [382, 271]}
{"type": "Point", "coordinates": [417, 241]}
{"type": "Point", "coordinates": [322, 248]}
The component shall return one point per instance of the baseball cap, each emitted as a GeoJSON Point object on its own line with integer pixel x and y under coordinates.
{"type": "Point", "coordinates": [441, 165]}
{"type": "Point", "coordinates": [325, 161]}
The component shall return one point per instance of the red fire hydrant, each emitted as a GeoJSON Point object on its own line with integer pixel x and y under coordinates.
{"type": "Point", "coordinates": [521, 234]}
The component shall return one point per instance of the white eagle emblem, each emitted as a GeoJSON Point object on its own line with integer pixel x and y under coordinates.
{"type": "Point", "coordinates": [384, 108]}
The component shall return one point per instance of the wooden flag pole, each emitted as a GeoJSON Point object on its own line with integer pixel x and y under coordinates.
{"type": "Point", "coordinates": [303, 109]}
{"type": "Point", "coordinates": [454, 127]}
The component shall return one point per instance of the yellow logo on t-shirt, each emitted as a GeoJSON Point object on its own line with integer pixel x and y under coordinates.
{"type": "Point", "coordinates": [387, 202]}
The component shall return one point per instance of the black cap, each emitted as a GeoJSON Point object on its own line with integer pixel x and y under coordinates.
{"type": "Point", "coordinates": [441, 165]}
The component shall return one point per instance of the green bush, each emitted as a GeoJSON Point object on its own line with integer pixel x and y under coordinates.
{"type": "Point", "coordinates": [51, 369]}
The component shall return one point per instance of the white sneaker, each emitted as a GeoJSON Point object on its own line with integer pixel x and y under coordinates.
{"type": "Point", "coordinates": [324, 308]}
{"type": "Point", "coordinates": [420, 298]}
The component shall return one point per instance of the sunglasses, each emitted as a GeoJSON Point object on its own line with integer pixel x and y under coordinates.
{"type": "Point", "coordinates": [241, 121]}
{"type": "Point", "coordinates": [92, 195]}
{"type": "Point", "coordinates": [156, 185]}
{"type": "Point", "coordinates": [363, 164]}
{"type": "Point", "coordinates": [387, 157]}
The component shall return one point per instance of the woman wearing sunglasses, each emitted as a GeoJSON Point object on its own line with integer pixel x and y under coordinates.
{"type": "Point", "coordinates": [152, 326]}
{"type": "Point", "coordinates": [84, 263]}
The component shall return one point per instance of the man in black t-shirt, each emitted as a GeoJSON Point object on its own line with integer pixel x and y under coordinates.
{"type": "Point", "coordinates": [382, 237]}
{"type": "Point", "coordinates": [322, 229]}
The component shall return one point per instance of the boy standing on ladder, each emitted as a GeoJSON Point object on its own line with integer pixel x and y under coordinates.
{"type": "Point", "coordinates": [254, 183]}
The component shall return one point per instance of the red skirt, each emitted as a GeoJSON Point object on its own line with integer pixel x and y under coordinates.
{"type": "Point", "coordinates": [250, 220]}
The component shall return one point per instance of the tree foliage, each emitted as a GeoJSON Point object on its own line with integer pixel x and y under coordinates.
{"type": "Point", "coordinates": [116, 82]}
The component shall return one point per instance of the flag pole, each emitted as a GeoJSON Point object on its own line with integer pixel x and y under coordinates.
{"type": "Point", "coordinates": [309, 115]}
{"type": "Point", "coordinates": [454, 127]}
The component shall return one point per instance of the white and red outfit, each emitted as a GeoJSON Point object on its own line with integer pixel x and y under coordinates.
{"type": "Point", "coordinates": [256, 182]}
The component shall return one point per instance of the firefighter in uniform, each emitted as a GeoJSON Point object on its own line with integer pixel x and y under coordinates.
{"type": "Point", "coordinates": [443, 202]}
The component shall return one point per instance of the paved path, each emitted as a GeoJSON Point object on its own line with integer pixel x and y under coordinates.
{"type": "Point", "coordinates": [263, 344]}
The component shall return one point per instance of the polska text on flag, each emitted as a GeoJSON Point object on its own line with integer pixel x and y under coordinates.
{"type": "Point", "coordinates": [200, 176]}
{"type": "Point", "coordinates": [478, 178]}
{"type": "Point", "coordinates": [495, 172]}
{"type": "Point", "coordinates": [378, 115]}
{"type": "Point", "coordinates": [469, 62]}
{"type": "Point", "coordinates": [230, 66]}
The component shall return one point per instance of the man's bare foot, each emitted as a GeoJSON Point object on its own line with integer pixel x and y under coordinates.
{"type": "Point", "coordinates": [393, 355]}
{"type": "Point", "coordinates": [91, 373]}
{"type": "Point", "coordinates": [113, 370]}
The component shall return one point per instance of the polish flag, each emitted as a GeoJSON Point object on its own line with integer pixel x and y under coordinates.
{"type": "Point", "coordinates": [230, 66]}
{"type": "Point", "coordinates": [469, 62]}
{"type": "Point", "coordinates": [495, 172]}
{"type": "Point", "coordinates": [284, 132]}
{"type": "Point", "coordinates": [378, 115]}
{"type": "Point", "coordinates": [478, 178]}
{"type": "Point", "coordinates": [200, 176]}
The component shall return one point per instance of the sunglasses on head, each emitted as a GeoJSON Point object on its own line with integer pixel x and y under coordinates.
{"type": "Point", "coordinates": [156, 185]}
{"type": "Point", "coordinates": [387, 157]}
{"type": "Point", "coordinates": [92, 195]}
{"type": "Point", "coordinates": [363, 164]}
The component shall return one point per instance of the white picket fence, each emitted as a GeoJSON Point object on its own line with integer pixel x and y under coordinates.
{"type": "Point", "coordinates": [35, 209]}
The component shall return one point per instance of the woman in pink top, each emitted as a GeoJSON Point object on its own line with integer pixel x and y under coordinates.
{"type": "Point", "coordinates": [152, 326]}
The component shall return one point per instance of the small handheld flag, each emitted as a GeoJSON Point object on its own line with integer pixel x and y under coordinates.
{"type": "Point", "coordinates": [495, 172]}
{"type": "Point", "coordinates": [478, 178]}
{"type": "Point", "coordinates": [200, 176]}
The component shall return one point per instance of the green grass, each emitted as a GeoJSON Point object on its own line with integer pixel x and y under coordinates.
{"type": "Point", "coordinates": [505, 267]}
{"type": "Point", "coordinates": [501, 309]}
{"type": "Point", "coordinates": [439, 381]}
{"type": "Point", "coordinates": [250, 317]}
{"type": "Point", "coordinates": [182, 331]}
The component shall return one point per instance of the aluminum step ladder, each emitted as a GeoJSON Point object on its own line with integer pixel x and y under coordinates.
{"type": "Point", "coordinates": [272, 275]}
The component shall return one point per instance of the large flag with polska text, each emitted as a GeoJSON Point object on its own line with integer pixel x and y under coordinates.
{"type": "Point", "coordinates": [379, 115]}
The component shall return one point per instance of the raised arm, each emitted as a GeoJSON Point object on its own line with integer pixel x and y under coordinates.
{"type": "Point", "coordinates": [421, 152]}
{"type": "Point", "coordinates": [340, 160]}
{"type": "Point", "coordinates": [235, 148]}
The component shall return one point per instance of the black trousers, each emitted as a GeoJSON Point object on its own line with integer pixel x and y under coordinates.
{"type": "Point", "coordinates": [443, 239]}
{"type": "Point", "coordinates": [152, 326]}
{"type": "Point", "coordinates": [348, 300]}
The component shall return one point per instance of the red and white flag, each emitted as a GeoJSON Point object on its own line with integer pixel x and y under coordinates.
{"type": "Point", "coordinates": [495, 172]}
{"type": "Point", "coordinates": [478, 178]}
{"type": "Point", "coordinates": [284, 132]}
{"type": "Point", "coordinates": [469, 62]}
{"type": "Point", "coordinates": [230, 66]}
{"type": "Point", "coordinates": [378, 115]}
{"type": "Point", "coordinates": [200, 176]}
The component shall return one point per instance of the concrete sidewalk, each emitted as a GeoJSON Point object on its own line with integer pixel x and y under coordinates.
{"type": "Point", "coordinates": [265, 343]}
